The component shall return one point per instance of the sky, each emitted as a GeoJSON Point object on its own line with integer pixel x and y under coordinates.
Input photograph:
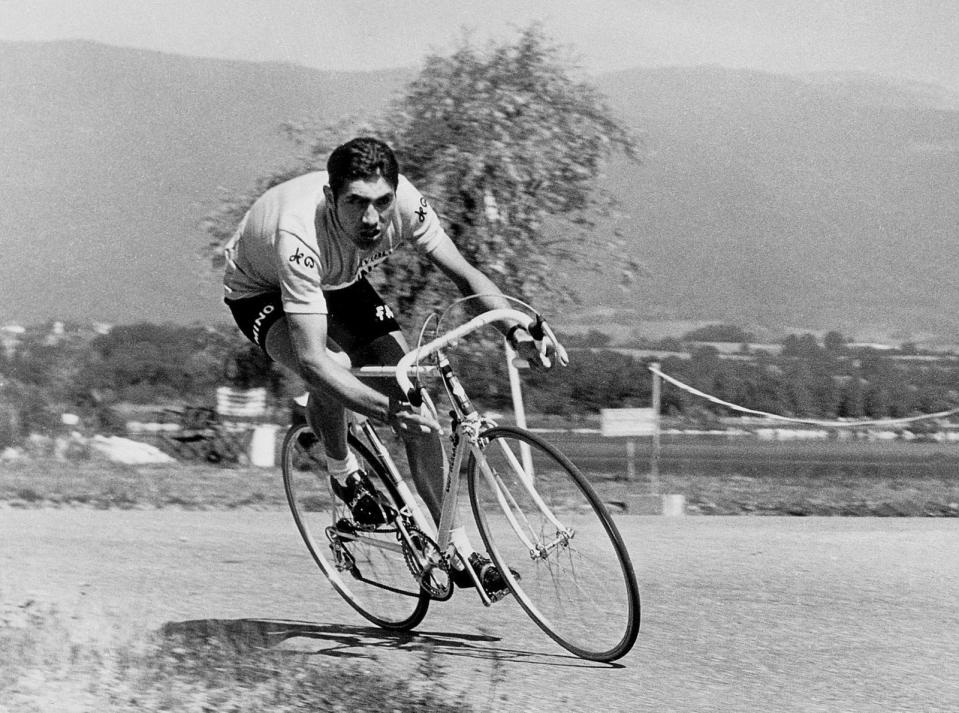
{"type": "Point", "coordinates": [915, 40]}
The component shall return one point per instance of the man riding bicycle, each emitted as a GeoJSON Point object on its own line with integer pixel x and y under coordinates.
{"type": "Point", "coordinates": [296, 284]}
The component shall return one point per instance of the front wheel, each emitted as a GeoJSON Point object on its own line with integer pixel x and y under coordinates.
{"type": "Point", "coordinates": [367, 567]}
{"type": "Point", "coordinates": [555, 544]}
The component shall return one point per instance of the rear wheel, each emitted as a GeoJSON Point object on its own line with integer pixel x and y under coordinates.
{"type": "Point", "coordinates": [555, 544]}
{"type": "Point", "coordinates": [366, 566]}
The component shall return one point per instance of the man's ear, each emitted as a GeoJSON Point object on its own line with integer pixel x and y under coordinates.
{"type": "Point", "coordinates": [328, 194]}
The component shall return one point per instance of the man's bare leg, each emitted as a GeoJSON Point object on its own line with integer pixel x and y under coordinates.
{"type": "Point", "coordinates": [425, 453]}
{"type": "Point", "coordinates": [328, 419]}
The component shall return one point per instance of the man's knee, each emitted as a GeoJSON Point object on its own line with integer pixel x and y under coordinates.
{"type": "Point", "coordinates": [341, 358]}
{"type": "Point", "coordinates": [279, 347]}
{"type": "Point", "coordinates": [386, 350]}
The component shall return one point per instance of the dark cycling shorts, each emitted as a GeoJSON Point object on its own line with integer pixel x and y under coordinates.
{"type": "Point", "coordinates": [357, 316]}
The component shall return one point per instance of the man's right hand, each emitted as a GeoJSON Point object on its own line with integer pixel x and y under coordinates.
{"type": "Point", "coordinates": [410, 423]}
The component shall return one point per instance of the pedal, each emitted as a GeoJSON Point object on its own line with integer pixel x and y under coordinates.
{"type": "Point", "coordinates": [497, 596]}
{"type": "Point", "coordinates": [344, 526]}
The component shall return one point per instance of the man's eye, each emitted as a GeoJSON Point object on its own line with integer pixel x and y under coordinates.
{"type": "Point", "coordinates": [384, 203]}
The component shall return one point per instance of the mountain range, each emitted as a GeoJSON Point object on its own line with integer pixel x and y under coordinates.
{"type": "Point", "coordinates": [768, 201]}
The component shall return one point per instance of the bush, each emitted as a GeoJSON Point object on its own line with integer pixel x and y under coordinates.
{"type": "Point", "coordinates": [9, 435]}
{"type": "Point", "coordinates": [720, 333]}
{"type": "Point", "coordinates": [29, 409]}
{"type": "Point", "coordinates": [106, 420]}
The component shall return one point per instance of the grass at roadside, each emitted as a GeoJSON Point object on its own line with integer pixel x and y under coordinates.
{"type": "Point", "coordinates": [724, 478]}
{"type": "Point", "coordinates": [43, 668]}
{"type": "Point", "coordinates": [735, 494]}
{"type": "Point", "coordinates": [96, 483]}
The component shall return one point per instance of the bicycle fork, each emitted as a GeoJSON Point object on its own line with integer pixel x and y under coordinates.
{"type": "Point", "coordinates": [538, 550]}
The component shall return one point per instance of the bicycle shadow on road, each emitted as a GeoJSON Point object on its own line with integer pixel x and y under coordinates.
{"type": "Point", "coordinates": [345, 641]}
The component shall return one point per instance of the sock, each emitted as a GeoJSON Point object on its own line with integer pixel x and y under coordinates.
{"type": "Point", "coordinates": [341, 468]}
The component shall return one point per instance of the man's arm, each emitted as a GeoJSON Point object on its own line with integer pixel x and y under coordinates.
{"type": "Point", "coordinates": [471, 281]}
{"type": "Point", "coordinates": [325, 375]}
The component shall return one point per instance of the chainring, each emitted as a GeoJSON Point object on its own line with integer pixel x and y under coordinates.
{"type": "Point", "coordinates": [435, 578]}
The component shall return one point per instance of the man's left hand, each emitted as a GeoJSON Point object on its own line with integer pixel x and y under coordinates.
{"type": "Point", "coordinates": [526, 348]}
{"type": "Point", "coordinates": [529, 352]}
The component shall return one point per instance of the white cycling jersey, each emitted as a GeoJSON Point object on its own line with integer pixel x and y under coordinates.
{"type": "Point", "coordinates": [289, 242]}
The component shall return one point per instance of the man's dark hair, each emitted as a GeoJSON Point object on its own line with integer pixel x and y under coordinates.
{"type": "Point", "coordinates": [362, 158]}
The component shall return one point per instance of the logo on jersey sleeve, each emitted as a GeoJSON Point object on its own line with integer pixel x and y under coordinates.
{"type": "Point", "coordinates": [301, 258]}
{"type": "Point", "coordinates": [421, 211]}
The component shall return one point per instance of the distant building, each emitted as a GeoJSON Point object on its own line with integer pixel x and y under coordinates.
{"type": "Point", "coordinates": [10, 336]}
{"type": "Point", "coordinates": [879, 347]}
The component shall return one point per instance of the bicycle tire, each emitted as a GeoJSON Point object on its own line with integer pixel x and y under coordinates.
{"type": "Point", "coordinates": [580, 589]}
{"type": "Point", "coordinates": [379, 585]}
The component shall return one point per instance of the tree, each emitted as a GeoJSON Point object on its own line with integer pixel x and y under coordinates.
{"type": "Point", "coordinates": [719, 333]}
{"type": "Point", "coordinates": [148, 362]}
{"type": "Point", "coordinates": [834, 342]}
{"type": "Point", "coordinates": [593, 338]}
{"type": "Point", "coordinates": [503, 141]}
{"type": "Point", "coordinates": [804, 347]}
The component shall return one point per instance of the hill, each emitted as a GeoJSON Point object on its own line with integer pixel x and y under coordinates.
{"type": "Point", "coordinates": [113, 156]}
{"type": "Point", "coordinates": [822, 202]}
{"type": "Point", "coordinates": [765, 201]}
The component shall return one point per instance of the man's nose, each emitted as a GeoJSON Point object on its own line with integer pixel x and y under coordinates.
{"type": "Point", "coordinates": [370, 215]}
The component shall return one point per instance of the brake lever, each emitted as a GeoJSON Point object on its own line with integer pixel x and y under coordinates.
{"type": "Point", "coordinates": [537, 328]}
{"type": "Point", "coordinates": [415, 395]}
{"type": "Point", "coordinates": [540, 332]}
{"type": "Point", "coordinates": [559, 351]}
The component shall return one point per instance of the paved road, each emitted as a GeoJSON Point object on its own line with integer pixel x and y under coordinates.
{"type": "Point", "coordinates": [740, 614]}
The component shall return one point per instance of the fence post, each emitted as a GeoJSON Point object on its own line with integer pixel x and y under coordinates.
{"type": "Point", "coordinates": [630, 459]}
{"type": "Point", "coordinates": [657, 411]}
{"type": "Point", "coordinates": [519, 411]}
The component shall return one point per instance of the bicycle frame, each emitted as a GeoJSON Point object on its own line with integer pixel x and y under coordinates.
{"type": "Point", "coordinates": [467, 427]}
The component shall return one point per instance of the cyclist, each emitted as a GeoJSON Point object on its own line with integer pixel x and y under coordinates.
{"type": "Point", "coordinates": [296, 284]}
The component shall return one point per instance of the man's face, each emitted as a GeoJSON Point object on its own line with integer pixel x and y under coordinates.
{"type": "Point", "coordinates": [364, 208]}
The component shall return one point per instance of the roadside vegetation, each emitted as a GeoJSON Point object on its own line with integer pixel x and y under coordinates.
{"type": "Point", "coordinates": [737, 477]}
{"type": "Point", "coordinates": [146, 372]}
{"type": "Point", "coordinates": [151, 369]}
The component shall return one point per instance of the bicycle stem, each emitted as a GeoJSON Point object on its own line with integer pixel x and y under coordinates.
{"type": "Point", "coordinates": [454, 389]}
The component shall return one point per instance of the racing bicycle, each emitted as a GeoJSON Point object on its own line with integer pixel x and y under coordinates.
{"type": "Point", "coordinates": [541, 521]}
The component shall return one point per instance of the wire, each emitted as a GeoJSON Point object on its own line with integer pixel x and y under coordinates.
{"type": "Point", "coordinates": [790, 419]}
{"type": "Point", "coordinates": [419, 341]}
{"type": "Point", "coordinates": [467, 298]}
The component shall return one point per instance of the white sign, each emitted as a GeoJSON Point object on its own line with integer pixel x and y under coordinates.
{"type": "Point", "coordinates": [627, 421]}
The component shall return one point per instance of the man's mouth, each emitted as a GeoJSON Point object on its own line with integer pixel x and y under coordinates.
{"type": "Point", "coordinates": [369, 236]}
